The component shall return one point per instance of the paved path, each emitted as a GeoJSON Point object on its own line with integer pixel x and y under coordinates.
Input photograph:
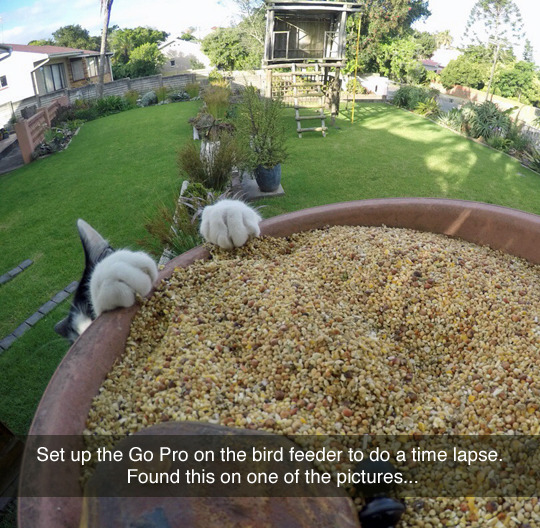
{"type": "Point", "coordinates": [10, 155]}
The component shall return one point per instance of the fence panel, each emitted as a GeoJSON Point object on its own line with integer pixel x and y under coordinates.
{"type": "Point", "coordinates": [30, 132]}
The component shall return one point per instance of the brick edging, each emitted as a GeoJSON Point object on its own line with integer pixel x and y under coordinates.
{"type": "Point", "coordinates": [6, 277]}
{"type": "Point", "coordinates": [41, 312]}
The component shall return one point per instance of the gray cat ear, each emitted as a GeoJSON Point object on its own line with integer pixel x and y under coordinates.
{"type": "Point", "coordinates": [63, 328]}
{"type": "Point", "coordinates": [93, 243]}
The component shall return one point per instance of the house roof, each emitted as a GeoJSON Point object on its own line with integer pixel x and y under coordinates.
{"type": "Point", "coordinates": [52, 50]}
{"type": "Point", "coordinates": [429, 62]}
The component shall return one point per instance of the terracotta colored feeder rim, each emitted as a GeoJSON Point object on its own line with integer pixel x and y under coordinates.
{"type": "Point", "coordinates": [66, 401]}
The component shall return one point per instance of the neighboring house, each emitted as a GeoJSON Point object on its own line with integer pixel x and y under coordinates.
{"type": "Point", "coordinates": [40, 70]}
{"type": "Point", "coordinates": [431, 65]}
{"type": "Point", "coordinates": [183, 55]}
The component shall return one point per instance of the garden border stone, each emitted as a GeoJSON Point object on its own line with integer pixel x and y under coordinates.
{"type": "Point", "coordinates": [43, 310]}
{"type": "Point", "coordinates": [6, 277]}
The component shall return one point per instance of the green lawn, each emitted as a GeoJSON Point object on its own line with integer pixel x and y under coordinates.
{"type": "Point", "coordinates": [118, 168]}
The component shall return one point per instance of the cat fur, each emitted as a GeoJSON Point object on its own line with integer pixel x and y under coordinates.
{"type": "Point", "coordinates": [113, 278]}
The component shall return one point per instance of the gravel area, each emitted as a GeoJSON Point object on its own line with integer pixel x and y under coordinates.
{"type": "Point", "coordinates": [346, 330]}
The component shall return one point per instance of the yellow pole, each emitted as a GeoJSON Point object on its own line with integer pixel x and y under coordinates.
{"type": "Point", "coordinates": [356, 68]}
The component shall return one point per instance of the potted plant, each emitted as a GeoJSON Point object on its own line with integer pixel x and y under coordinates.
{"type": "Point", "coordinates": [262, 135]}
{"type": "Point", "coordinates": [210, 167]}
{"type": "Point", "coordinates": [211, 120]}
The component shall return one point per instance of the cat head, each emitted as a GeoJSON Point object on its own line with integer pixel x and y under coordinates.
{"type": "Point", "coordinates": [81, 312]}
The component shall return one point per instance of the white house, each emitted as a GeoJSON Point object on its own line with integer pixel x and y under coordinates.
{"type": "Point", "coordinates": [40, 70]}
{"type": "Point", "coordinates": [183, 55]}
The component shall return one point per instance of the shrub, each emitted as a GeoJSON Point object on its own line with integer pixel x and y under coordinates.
{"type": "Point", "coordinates": [111, 104]}
{"type": "Point", "coordinates": [87, 113]}
{"type": "Point", "coordinates": [532, 158]}
{"type": "Point", "coordinates": [215, 76]}
{"type": "Point", "coordinates": [162, 94]}
{"type": "Point", "coordinates": [409, 96]}
{"type": "Point", "coordinates": [359, 88]}
{"type": "Point", "coordinates": [196, 190]}
{"type": "Point", "coordinates": [499, 143]}
{"type": "Point", "coordinates": [132, 96]}
{"type": "Point", "coordinates": [519, 142]}
{"type": "Point", "coordinates": [212, 164]}
{"type": "Point", "coordinates": [216, 99]}
{"type": "Point", "coordinates": [171, 228]}
{"type": "Point", "coordinates": [452, 119]}
{"type": "Point", "coordinates": [179, 96]}
{"type": "Point", "coordinates": [429, 108]}
{"type": "Point", "coordinates": [209, 127]}
{"type": "Point", "coordinates": [192, 89]}
{"type": "Point", "coordinates": [174, 226]}
{"type": "Point", "coordinates": [261, 130]}
{"type": "Point", "coordinates": [149, 98]}
{"type": "Point", "coordinates": [196, 64]}
{"type": "Point", "coordinates": [485, 120]}
{"type": "Point", "coordinates": [64, 114]}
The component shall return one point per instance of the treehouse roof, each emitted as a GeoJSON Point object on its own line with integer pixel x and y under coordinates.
{"type": "Point", "coordinates": [313, 5]}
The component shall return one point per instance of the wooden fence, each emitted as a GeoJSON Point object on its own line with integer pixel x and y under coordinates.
{"type": "Point", "coordinates": [30, 132]}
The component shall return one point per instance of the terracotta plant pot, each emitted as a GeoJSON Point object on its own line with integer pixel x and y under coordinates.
{"type": "Point", "coordinates": [65, 404]}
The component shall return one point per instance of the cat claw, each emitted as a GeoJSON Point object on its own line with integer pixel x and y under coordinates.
{"type": "Point", "coordinates": [118, 278]}
{"type": "Point", "coordinates": [229, 223]}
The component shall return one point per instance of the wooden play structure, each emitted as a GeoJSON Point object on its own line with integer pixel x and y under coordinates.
{"type": "Point", "coordinates": [303, 56]}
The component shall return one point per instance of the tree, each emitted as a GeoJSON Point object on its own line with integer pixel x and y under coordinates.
{"type": "Point", "coordinates": [106, 6]}
{"type": "Point", "coordinates": [516, 81]}
{"type": "Point", "coordinates": [443, 39]}
{"type": "Point", "coordinates": [42, 42]}
{"type": "Point", "coordinates": [74, 36]}
{"type": "Point", "coordinates": [399, 61]}
{"type": "Point", "coordinates": [483, 54]}
{"type": "Point", "coordinates": [381, 21]}
{"type": "Point", "coordinates": [225, 50]}
{"type": "Point", "coordinates": [501, 21]}
{"type": "Point", "coordinates": [426, 44]}
{"type": "Point", "coordinates": [125, 41]}
{"type": "Point", "coordinates": [253, 23]}
{"type": "Point", "coordinates": [528, 55]}
{"type": "Point", "coordinates": [145, 60]}
{"type": "Point", "coordinates": [188, 34]}
{"type": "Point", "coordinates": [131, 38]}
{"type": "Point", "coordinates": [465, 72]}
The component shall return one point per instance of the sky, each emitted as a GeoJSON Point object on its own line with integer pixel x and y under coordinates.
{"type": "Point", "coordinates": [25, 20]}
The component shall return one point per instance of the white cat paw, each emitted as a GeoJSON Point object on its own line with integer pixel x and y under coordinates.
{"type": "Point", "coordinates": [229, 223]}
{"type": "Point", "coordinates": [118, 278]}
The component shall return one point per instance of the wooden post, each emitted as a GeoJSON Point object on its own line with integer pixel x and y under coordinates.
{"type": "Point", "coordinates": [335, 96]}
{"type": "Point", "coordinates": [268, 83]}
{"type": "Point", "coordinates": [268, 43]}
{"type": "Point", "coordinates": [23, 137]}
{"type": "Point", "coordinates": [47, 116]}
{"type": "Point", "coordinates": [356, 68]}
{"type": "Point", "coordinates": [342, 35]}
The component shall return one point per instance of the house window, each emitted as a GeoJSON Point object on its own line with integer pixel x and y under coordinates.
{"type": "Point", "coordinates": [77, 69]}
{"type": "Point", "coordinates": [3, 81]}
{"type": "Point", "coordinates": [54, 77]}
{"type": "Point", "coordinates": [92, 66]}
{"type": "Point", "coordinates": [173, 63]}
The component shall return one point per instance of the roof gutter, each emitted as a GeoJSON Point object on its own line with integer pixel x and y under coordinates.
{"type": "Point", "coordinates": [41, 64]}
{"type": "Point", "coordinates": [7, 49]}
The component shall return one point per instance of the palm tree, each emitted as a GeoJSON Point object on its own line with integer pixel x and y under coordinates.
{"type": "Point", "coordinates": [122, 45]}
{"type": "Point", "coordinates": [106, 6]}
{"type": "Point", "coordinates": [443, 39]}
